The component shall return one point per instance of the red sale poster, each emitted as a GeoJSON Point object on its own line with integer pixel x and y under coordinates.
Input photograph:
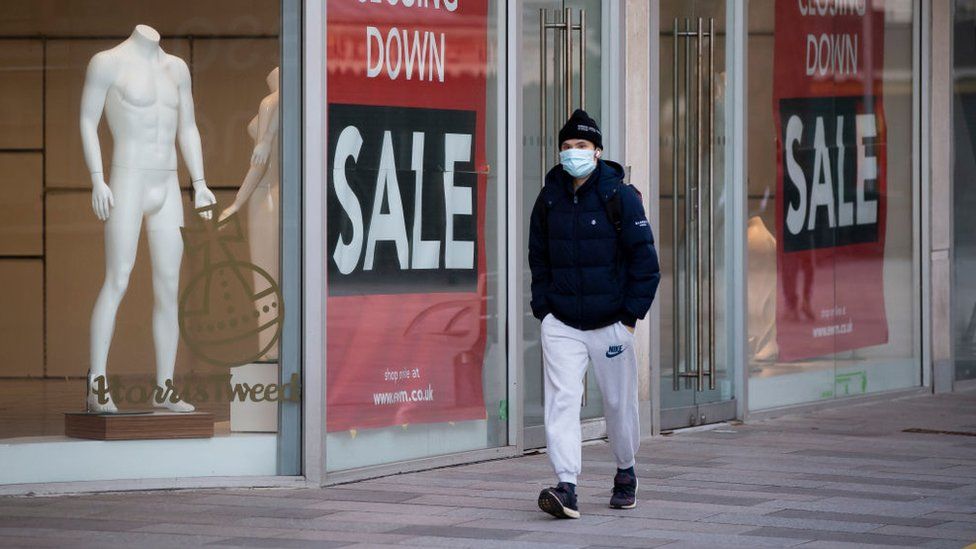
{"type": "Point", "coordinates": [406, 211]}
{"type": "Point", "coordinates": [831, 170]}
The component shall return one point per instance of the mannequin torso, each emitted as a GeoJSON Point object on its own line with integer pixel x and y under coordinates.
{"type": "Point", "coordinates": [142, 100]}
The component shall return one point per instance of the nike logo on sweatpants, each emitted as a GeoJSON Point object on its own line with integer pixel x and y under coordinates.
{"type": "Point", "coordinates": [615, 350]}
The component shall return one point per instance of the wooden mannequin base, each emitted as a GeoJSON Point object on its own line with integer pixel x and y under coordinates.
{"type": "Point", "coordinates": [153, 425]}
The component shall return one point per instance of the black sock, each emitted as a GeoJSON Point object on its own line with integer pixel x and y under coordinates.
{"type": "Point", "coordinates": [630, 471]}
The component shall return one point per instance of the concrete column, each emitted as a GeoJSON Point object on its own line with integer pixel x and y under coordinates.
{"type": "Point", "coordinates": [638, 135]}
{"type": "Point", "coordinates": [940, 184]}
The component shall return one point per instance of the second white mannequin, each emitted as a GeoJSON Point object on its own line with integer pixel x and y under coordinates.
{"type": "Point", "coordinates": [259, 191]}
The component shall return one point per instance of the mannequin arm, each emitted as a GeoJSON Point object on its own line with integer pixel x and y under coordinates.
{"type": "Point", "coordinates": [98, 78]}
{"type": "Point", "coordinates": [267, 130]}
{"type": "Point", "coordinates": [188, 137]}
{"type": "Point", "coordinates": [251, 180]}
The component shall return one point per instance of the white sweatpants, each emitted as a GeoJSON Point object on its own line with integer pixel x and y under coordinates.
{"type": "Point", "coordinates": [566, 352]}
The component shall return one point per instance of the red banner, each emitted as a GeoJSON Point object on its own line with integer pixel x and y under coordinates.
{"type": "Point", "coordinates": [407, 87]}
{"type": "Point", "coordinates": [831, 164]}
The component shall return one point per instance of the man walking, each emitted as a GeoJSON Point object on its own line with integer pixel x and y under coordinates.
{"type": "Point", "coordinates": [594, 273]}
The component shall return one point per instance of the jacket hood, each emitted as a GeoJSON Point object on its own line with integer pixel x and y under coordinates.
{"type": "Point", "coordinates": [608, 175]}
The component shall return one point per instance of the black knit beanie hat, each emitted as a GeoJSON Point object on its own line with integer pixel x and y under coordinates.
{"type": "Point", "coordinates": [581, 126]}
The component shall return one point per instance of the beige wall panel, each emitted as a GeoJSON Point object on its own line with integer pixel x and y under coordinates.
{"type": "Point", "coordinates": [75, 271]}
{"type": "Point", "coordinates": [118, 17]}
{"type": "Point", "coordinates": [762, 15]}
{"type": "Point", "coordinates": [22, 321]}
{"type": "Point", "coordinates": [762, 125]}
{"type": "Point", "coordinates": [21, 209]}
{"type": "Point", "coordinates": [21, 87]}
{"type": "Point", "coordinates": [67, 61]}
{"type": "Point", "coordinates": [229, 82]}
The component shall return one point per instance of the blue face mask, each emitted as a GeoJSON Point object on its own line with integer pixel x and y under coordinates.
{"type": "Point", "coordinates": [578, 162]}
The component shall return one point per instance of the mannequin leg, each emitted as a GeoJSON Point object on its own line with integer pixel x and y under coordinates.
{"type": "Point", "coordinates": [166, 249]}
{"type": "Point", "coordinates": [262, 229]}
{"type": "Point", "coordinates": [121, 243]}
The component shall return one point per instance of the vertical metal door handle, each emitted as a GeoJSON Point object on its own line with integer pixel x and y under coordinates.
{"type": "Point", "coordinates": [567, 57]}
{"type": "Point", "coordinates": [688, 211]}
{"type": "Point", "coordinates": [711, 202]}
{"type": "Point", "coordinates": [544, 138]}
{"type": "Point", "coordinates": [699, 210]}
{"type": "Point", "coordinates": [675, 333]}
{"type": "Point", "coordinates": [582, 59]}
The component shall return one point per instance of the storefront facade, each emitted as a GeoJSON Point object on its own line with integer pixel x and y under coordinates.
{"type": "Point", "coordinates": [356, 302]}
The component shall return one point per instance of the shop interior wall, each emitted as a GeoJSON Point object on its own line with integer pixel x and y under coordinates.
{"type": "Point", "coordinates": [51, 244]}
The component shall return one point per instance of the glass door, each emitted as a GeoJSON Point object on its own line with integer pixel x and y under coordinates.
{"type": "Point", "coordinates": [696, 382]}
{"type": "Point", "coordinates": [561, 60]}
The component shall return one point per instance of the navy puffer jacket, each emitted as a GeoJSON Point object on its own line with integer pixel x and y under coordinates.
{"type": "Point", "coordinates": [584, 272]}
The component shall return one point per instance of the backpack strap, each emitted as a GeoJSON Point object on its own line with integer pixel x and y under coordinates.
{"type": "Point", "coordinates": [613, 205]}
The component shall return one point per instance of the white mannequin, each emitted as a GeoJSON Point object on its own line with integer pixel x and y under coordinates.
{"type": "Point", "coordinates": [762, 291]}
{"type": "Point", "coordinates": [259, 191]}
{"type": "Point", "coordinates": [147, 100]}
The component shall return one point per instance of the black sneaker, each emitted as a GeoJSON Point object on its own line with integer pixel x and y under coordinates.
{"type": "Point", "coordinates": [624, 489]}
{"type": "Point", "coordinates": [560, 501]}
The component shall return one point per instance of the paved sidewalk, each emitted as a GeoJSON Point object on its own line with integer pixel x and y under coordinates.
{"type": "Point", "coordinates": [849, 477]}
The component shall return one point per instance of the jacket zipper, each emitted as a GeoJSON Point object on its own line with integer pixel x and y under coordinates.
{"type": "Point", "coordinates": [576, 258]}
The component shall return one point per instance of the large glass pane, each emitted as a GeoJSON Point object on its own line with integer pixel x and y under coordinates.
{"type": "Point", "coordinates": [141, 300]}
{"type": "Point", "coordinates": [692, 167]}
{"type": "Point", "coordinates": [964, 192]}
{"type": "Point", "coordinates": [833, 280]}
{"type": "Point", "coordinates": [534, 166]}
{"type": "Point", "coordinates": [416, 223]}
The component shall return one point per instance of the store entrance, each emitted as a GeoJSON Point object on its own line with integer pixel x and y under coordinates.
{"type": "Point", "coordinates": [561, 60]}
{"type": "Point", "coordinates": [696, 384]}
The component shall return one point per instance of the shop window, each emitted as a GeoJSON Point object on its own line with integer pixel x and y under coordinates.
{"type": "Point", "coordinates": [834, 290]}
{"type": "Point", "coordinates": [162, 109]}
{"type": "Point", "coordinates": [416, 194]}
{"type": "Point", "coordinates": [964, 199]}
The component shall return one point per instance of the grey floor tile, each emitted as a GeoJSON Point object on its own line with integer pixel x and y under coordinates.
{"type": "Point", "coordinates": [62, 523]}
{"type": "Point", "coordinates": [803, 523]}
{"type": "Point", "coordinates": [351, 537]}
{"type": "Point", "coordinates": [822, 535]}
{"type": "Point", "coordinates": [465, 532]}
{"type": "Point", "coordinates": [952, 517]}
{"type": "Point", "coordinates": [330, 524]}
{"type": "Point", "coordinates": [468, 543]}
{"type": "Point", "coordinates": [25, 542]}
{"type": "Point", "coordinates": [936, 533]}
{"type": "Point", "coordinates": [256, 501]}
{"type": "Point", "coordinates": [213, 530]}
{"type": "Point", "coordinates": [591, 540]}
{"type": "Point", "coordinates": [369, 496]}
{"type": "Point", "coordinates": [841, 545]}
{"type": "Point", "coordinates": [879, 481]}
{"type": "Point", "coordinates": [693, 497]}
{"type": "Point", "coordinates": [858, 517]}
{"type": "Point", "coordinates": [274, 543]}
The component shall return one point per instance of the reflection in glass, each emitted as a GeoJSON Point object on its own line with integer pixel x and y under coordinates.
{"type": "Point", "coordinates": [830, 180]}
